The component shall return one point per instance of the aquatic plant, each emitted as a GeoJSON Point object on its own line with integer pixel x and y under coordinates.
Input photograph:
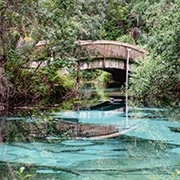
{"type": "Point", "coordinates": [21, 174]}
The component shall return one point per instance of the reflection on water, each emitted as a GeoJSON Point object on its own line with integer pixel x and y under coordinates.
{"type": "Point", "coordinates": [151, 151]}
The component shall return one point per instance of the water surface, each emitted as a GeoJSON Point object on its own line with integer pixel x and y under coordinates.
{"type": "Point", "coordinates": [151, 151]}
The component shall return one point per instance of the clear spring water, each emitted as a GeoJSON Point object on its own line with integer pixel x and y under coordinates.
{"type": "Point", "coordinates": [151, 151]}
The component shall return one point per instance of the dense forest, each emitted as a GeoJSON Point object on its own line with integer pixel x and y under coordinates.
{"type": "Point", "coordinates": [153, 25]}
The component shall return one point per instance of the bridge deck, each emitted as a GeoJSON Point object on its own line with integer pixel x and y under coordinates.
{"type": "Point", "coordinates": [110, 49]}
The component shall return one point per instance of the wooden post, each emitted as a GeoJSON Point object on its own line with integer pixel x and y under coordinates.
{"type": "Point", "coordinates": [127, 75]}
{"type": "Point", "coordinates": [78, 84]}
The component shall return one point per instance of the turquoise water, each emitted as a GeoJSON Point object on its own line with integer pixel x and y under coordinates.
{"type": "Point", "coordinates": [150, 151]}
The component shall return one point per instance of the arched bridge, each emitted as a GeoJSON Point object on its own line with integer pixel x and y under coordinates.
{"type": "Point", "coordinates": [108, 55]}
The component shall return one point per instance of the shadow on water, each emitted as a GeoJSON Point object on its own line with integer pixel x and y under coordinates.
{"type": "Point", "coordinates": [38, 143]}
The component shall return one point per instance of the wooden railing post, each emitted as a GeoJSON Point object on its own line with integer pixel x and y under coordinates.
{"type": "Point", "coordinates": [78, 81]}
{"type": "Point", "coordinates": [127, 76]}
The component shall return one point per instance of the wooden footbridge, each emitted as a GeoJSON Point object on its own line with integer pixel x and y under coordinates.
{"type": "Point", "coordinates": [112, 56]}
{"type": "Point", "coordinates": [106, 54]}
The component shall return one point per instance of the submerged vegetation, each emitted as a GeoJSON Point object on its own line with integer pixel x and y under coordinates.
{"type": "Point", "coordinates": [152, 25]}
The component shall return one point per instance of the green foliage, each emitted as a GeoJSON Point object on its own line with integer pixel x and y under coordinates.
{"type": "Point", "coordinates": [96, 79]}
{"type": "Point", "coordinates": [157, 77]}
{"type": "Point", "coordinates": [101, 82]}
{"type": "Point", "coordinates": [126, 39]}
{"type": "Point", "coordinates": [115, 22]}
{"type": "Point", "coordinates": [23, 24]}
{"type": "Point", "coordinates": [104, 77]}
{"type": "Point", "coordinates": [67, 82]}
{"type": "Point", "coordinates": [99, 76]}
{"type": "Point", "coordinates": [90, 75]}
{"type": "Point", "coordinates": [61, 23]}
{"type": "Point", "coordinates": [21, 174]}
{"type": "Point", "coordinates": [176, 173]}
